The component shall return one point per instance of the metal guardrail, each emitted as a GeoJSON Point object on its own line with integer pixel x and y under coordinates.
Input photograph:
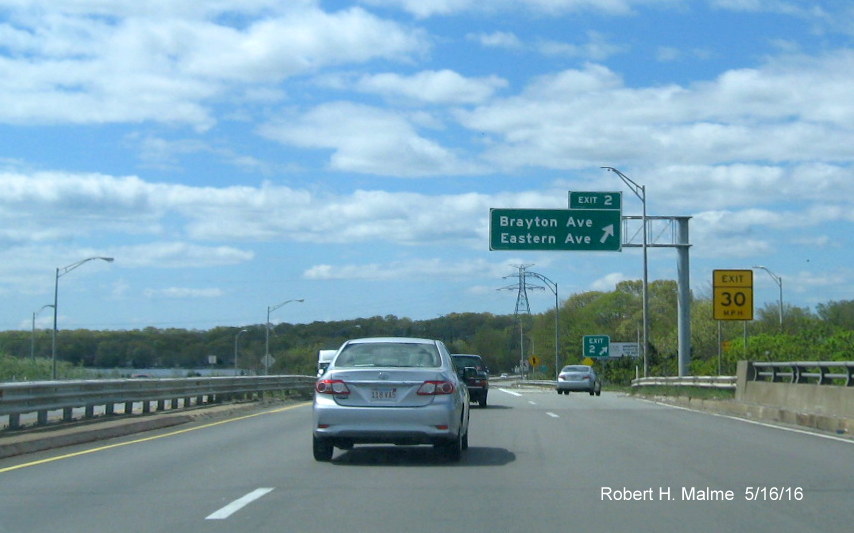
{"type": "Point", "coordinates": [712, 382]}
{"type": "Point", "coordinates": [815, 372]}
{"type": "Point", "coordinates": [535, 382]}
{"type": "Point", "coordinates": [818, 372]}
{"type": "Point", "coordinates": [41, 397]}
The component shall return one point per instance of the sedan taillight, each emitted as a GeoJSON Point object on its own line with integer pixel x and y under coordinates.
{"type": "Point", "coordinates": [331, 386]}
{"type": "Point", "coordinates": [436, 388]}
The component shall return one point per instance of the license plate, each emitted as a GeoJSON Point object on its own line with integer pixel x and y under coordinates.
{"type": "Point", "coordinates": [383, 394]}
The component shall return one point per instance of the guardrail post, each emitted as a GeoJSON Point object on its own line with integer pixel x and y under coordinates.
{"type": "Point", "coordinates": [799, 373]}
{"type": "Point", "coordinates": [823, 371]}
{"type": "Point", "coordinates": [14, 421]}
{"type": "Point", "coordinates": [774, 377]}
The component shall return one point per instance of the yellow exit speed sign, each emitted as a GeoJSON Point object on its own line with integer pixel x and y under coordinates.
{"type": "Point", "coordinates": [732, 297]}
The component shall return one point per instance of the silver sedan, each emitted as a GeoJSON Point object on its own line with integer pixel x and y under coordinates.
{"type": "Point", "coordinates": [578, 378]}
{"type": "Point", "coordinates": [392, 390]}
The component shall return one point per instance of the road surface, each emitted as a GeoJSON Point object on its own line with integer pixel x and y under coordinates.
{"type": "Point", "coordinates": [537, 461]}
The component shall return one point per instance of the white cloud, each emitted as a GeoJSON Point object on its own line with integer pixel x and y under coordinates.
{"type": "Point", "coordinates": [710, 187]}
{"type": "Point", "coordinates": [597, 48]}
{"type": "Point", "coordinates": [180, 255]}
{"type": "Point", "coordinates": [367, 140]}
{"type": "Point", "coordinates": [790, 110]}
{"type": "Point", "coordinates": [412, 269]}
{"type": "Point", "coordinates": [138, 64]}
{"type": "Point", "coordinates": [433, 87]}
{"type": "Point", "coordinates": [429, 8]}
{"type": "Point", "coordinates": [497, 39]}
{"type": "Point", "coordinates": [608, 282]}
{"type": "Point", "coordinates": [182, 293]}
{"type": "Point", "coordinates": [726, 203]}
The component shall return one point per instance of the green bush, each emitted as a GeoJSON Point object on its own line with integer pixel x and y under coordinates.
{"type": "Point", "coordinates": [39, 369]}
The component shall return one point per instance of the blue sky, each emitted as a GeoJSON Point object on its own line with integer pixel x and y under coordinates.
{"type": "Point", "coordinates": [232, 155]}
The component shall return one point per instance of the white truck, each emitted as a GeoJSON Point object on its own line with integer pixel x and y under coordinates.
{"type": "Point", "coordinates": [324, 357]}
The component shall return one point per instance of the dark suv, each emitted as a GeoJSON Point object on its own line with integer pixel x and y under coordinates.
{"type": "Point", "coordinates": [478, 385]}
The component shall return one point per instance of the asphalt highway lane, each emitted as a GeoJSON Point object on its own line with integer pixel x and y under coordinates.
{"type": "Point", "coordinates": [537, 461]}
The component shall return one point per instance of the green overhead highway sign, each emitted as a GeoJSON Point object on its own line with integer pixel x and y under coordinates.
{"type": "Point", "coordinates": [595, 200]}
{"type": "Point", "coordinates": [596, 230]}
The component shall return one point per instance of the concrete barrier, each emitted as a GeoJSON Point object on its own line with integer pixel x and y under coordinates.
{"type": "Point", "coordinates": [816, 398]}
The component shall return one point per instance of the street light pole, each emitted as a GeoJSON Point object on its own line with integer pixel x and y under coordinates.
{"type": "Point", "coordinates": [779, 281]}
{"type": "Point", "coordinates": [553, 287]}
{"type": "Point", "coordinates": [267, 335]}
{"type": "Point", "coordinates": [640, 192]}
{"type": "Point", "coordinates": [239, 333]}
{"type": "Point", "coordinates": [33, 337]}
{"type": "Point", "coordinates": [59, 273]}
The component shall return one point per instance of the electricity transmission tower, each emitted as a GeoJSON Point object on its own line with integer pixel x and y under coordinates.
{"type": "Point", "coordinates": [523, 308]}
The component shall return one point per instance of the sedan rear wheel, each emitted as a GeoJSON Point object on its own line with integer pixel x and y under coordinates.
{"type": "Point", "coordinates": [453, 449]}
{"type": "Point", "coordinates": [322, 449]}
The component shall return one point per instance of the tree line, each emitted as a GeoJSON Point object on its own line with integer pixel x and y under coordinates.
{"type": "Point", "coordinates": [503, 340]}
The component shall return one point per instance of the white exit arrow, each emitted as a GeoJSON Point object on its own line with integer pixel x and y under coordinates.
{"type": "Point", "coordinates": [608, 231]}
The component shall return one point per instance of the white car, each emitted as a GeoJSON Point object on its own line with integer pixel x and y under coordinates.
{"type": "Point", "coordinates": [578, 378]}
{"type": "Point", "coordinates": [392, 390]}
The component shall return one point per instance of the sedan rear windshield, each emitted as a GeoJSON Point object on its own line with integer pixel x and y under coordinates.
{"type": "Point", "coordinates": [576, 369]}
{"type": "Point", "coordinates": [389, 354]}
{"type": "Point", "coordinates": [461, 362]}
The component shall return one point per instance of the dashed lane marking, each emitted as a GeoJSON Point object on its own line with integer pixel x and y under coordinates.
{"type": "Point", "coordinates": [238, 504]}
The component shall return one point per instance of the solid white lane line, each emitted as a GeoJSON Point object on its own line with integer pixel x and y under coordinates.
{"type": "Point", "coordinates": [532, 403]}
{"type": "Point", "coordinates": [510, 392]}
{"type": "Point", "coordinates": [238, 504]}
{"type": "Point", "coordinates": [552, 415]}
{"type": "Point", "coordinates": [754, 422]}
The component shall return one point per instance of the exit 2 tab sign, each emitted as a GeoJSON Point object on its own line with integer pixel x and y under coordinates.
{"type": "Point", "coordinates": [595, 200]}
